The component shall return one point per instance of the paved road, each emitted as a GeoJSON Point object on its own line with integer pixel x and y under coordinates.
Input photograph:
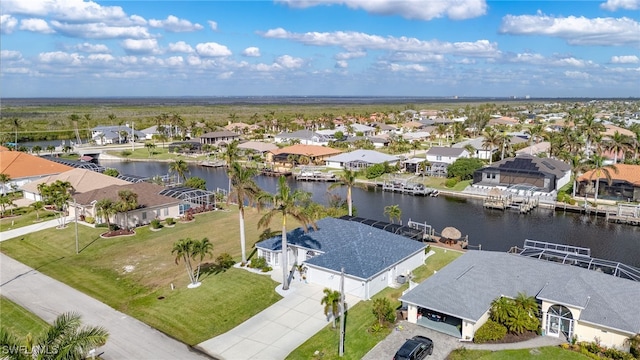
{"type": "Point", "coordinates": [21, 231]}
{"type": "Point", "coordinates": [444, 344]}
{"type": "Point", "coordinates": [48, 298]}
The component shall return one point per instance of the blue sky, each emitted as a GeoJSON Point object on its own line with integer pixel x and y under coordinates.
{"type": "Point", "coordinates": [79, 48]}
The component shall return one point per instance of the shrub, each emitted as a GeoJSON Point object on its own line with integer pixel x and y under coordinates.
{"type": "Point", "coordinates": [375, 171]}
{"type": "Point", "coordinates": [170, 221]}
{"type": "Point", "coordinates": [155, 224]}
{"type": "Point", "coordinates": [451, 182]}
{"type": "Point", "coordinates": [225, 261]}
{"type": "Point", "coordinates": [101, 225]}
{"type": "Point", "coordinates": [490, 331]}
{"type": "Point", "coordinates": [266, 268]}
{"type": "Point", "coordinates": [90, 220]}
{"type": "Point", "coordinates": [260, 263]}
{"type": "Point", "coordinates": [383, 311]}
{"type": "Point", "coordinates": [464, 168]}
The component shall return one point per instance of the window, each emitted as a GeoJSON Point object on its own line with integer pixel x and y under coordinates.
{"type": "Point", "coordinates": [439, 157]}
{"type": "Point", "coordinates": [144, 215]}
{"type": "Point", "coordinates": [166, 211]}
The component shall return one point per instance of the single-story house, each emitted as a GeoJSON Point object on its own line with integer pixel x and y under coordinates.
{"type": "Point", "coordinates": [306, 137]}
{"type": "Point", "coordinates": [377, 141]}
{"type": "Point", "coordinates": [82, 180]}
{"type": "Point", "coordinates": [416, 136]}
{"type": "Point", "coordinates": [574, 301]}
{"type": "Point", "coordinates": [317, 154]}
{"type": "Point", "coordinates": [23, 168]}
{"type": "Point", "coordinates": [218, 137]}
{"type": "Point", "coordinates": [151, 205]}
{"type": "Point", "coordinates": [116, 134]}
{"type": "Point", "coordinates": [360, 159]}
{"type": "Point", "coordinates": [150, 132]}
{"type": "Point", "coordinates": [625, 184]}
{"type": "Point", "coordinates": [542, 147]}
{"type": "Point", "coordinates": [447, 155]}
{"type": "Point", "coordinates": [372, 258]}
{"type": "Point", "coordinates": [241, 128]}
{"type": "Point", "coordinates": [544, 174]}
{"type": "Point", "coordinates": [481, 152]}
{"type": "Point", "coordinates": [257, 146]}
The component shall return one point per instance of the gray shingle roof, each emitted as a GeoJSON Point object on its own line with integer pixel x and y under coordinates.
{"type": "Point", "coordinates": [368, 156]}
{"type": "Point", "coordinates": [302, 134]}
{"type": "Point", "coordinates": [362, 250]}
{"type": "Point", "coordinates": [530, 162]}
{"type": "Point", "coordinates": [445, 151]}
{"type": "Point", "coordinates": [466, 287]}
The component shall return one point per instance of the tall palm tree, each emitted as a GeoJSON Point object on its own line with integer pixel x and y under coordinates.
{"type": "Point", "coordinates": [17, 124]}
{"type": "Point", "coordinates": [66, 338]}
{"type": "Point", "coordinates": [331, 302]}
{"type": "Point", "coordinates": [57, 194]}
{"type": "Point", "coordinates": [600, 169]}
{"type": "Point", "coordinates": [535, 133]}
{"type": "Point", "coordinates": [180, 167]}
{"type": "Point", "coordinates": [490, 142]}
{"type": "Point", "coordinates": [347, 178]}
{"type": "Point", "coordinates": [128, 201]}
{"type": "Point", "coordinates": [51, 149]}
{"type": "Point", "coordinates": [286, 204]}
{"type": "Point", "coordinates": [183, 249]}
{"type": "Point", "coordinates": [37, 206]}
{"type": "Point", "coordinates": [578, 165]}
{"type": "Point", "coordinates": [589, 127]}
{"type": "Point", "coordinates": [232, 154]}
{"type": "Point", "coordinates": [393, 212]}
{"type": "Point", "coordinates": [243, 188]}
{"type": "Point", "coordinates": [105, 208]}
{"type": "Point", "coordinates": [200, 250]}
{"type": "Point", "coordinates": [150, 146]}
{"type": "Point", "coordinates": [37, 149]}
{"type": "Point", "coordinates": [618, 143]}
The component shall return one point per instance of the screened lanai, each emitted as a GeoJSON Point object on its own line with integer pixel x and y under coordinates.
{"type": "Point", "coordinates": [196, 197]}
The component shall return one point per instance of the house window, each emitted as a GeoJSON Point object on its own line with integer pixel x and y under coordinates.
{"type": "Point", "coordinates": [166, 211]}
{"type": "Point", "coordinates": [439, 157]}
{"type": "Point", "coordinates": [144, 215]}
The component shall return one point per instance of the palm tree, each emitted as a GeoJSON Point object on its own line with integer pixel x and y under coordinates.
{"type": "Point", "coordinates": [393, 212]}
{"type": "Point", "coordinates": [535, 133]}
{"type": "Point", "coordinates": [105, 208]}
{"type": "Point", "coordinates": [150, 146]}
{"type": "Point", "coordinates": [348, 179]}
{"type": "Point", "coordinates": [200, 250]}
{"type": "Point", "coordinates": [331, 302]}
{"type": "Point", "coordinates": [599, 168]}
{"type": "Point", "coordinates": [500, 309]}
{"type": "Point", "coordinates": [128, 201]}
{"type": "Point", "coordinates": [66, 338]}
{"type": "Point", "coordinates": [243, 188]}
{"type": "Point", "coordinates": [232, 154]}
{"type": "Point", "coordinates": [37, 149]}
{"type": "Point", "coordinates": [51, 149]}
{"type": "Point", "coordinates": [577, 164]}
{"type": "Point", "coordinates": [58, 194]}
{"type": "Point", "coordinates": [37, 206]}
{"type": "Point", "coordinates": [286, 203]}
{"type": "Point", "coordinates": [618, 143]}
{"type": "Point", "coordinates": [180, 167]}
{"type": "Point", "coordinates": [183, 249]}
{"type": "Point", "coordinates": [589, 128]}
{"type": "Point", "coordinates": [17, 124]}
{"type": "Point", "coordinates": [4, 180]}
{"type": "Point", "coordinates": [527, 303]}
{"type": "Point", "coordinates": [490, 142]}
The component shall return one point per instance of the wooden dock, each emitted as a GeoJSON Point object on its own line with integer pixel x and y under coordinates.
{"type": "Point", "coordinates": [522, 205]}
{"type": "Point", "coordinates": [407, 188]}
{"type": "Point", "coordinates": [316, 176]}
{"type": "Point", "coordinates": [214, 164]}
{"type": "Point", "coordinates": [276, 173]}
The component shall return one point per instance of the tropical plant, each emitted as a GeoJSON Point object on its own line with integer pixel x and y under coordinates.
{"type": "Point", "coordinates": [382, 310]}
{"type": "Point", "coordinates": [180, 167]}
{"type": "Point", "coordinates": [6, 201]}
{"type": "Point", "coordinates": [490, 142]}
{"type": "Point", "coordinates": [37, 206]}
{"type": "Point", "coordinates": [285, 203]}
{"type": "Point", "coordinates": [464, 168]}
{"type": "Point", "coordinates": [128, 201]}
{"type": "Point", "coordinates": [200, 250]}
{"type": "Point", "coordinates": [111, 172]}
{"type": "Point", "coordinates": [57, 194]}
{"type": "Point", "coordinates": [4, 180]}
{"type": "Point", "coordinates": [618, 143]}
{"type": "Point", "coordinates": [196, 183]}
{"type": "Point", "coordinates": [393, 212]}
{"type": "Point", "coordinates": [66, 338]}
{"type": "Point", "coordinates": [150, 146]}
{"type": "Point", "coordinates": [500, 309]}
{"type": "Point", "coordinates": [105, 208]}
{"type": "Point", "coordinates": [51, 149]}
{"type": "Point", "coordinates": [600, 169]}
{"type": "Point", "coordinates": [182, 249]}
{"type": "Point", "coordinates": [347, 178]}
{"type": "Point", "coordinates": [243, 188]}
{"type": "Point", "coordinates": [37, 149]}
{"type": "Point", "coordinates": [331, 302]}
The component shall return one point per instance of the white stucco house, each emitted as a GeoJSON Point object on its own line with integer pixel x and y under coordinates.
{"type": "Point", "coordinates": [359, 159]}
{"type": "Point", "coordinates": [372, 258]}
{"type": "Point", "coordinates": [306, 137]}
{"type": "Point", "coordinates": [590, 305]}
{"type": "Point", "coordinates": [447, 155]}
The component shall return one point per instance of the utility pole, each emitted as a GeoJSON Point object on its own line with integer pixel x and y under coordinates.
{"type": "Point", "coordinates": [133, 140]}
{"type": "Point", "coordinates": [342, 308]}
{"type": "Point", "coordinates": [75, 211]}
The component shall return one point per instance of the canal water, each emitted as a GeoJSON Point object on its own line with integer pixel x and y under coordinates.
{"type": "Point", "coordinates": [493, 229]}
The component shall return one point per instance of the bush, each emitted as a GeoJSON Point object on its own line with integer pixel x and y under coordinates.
{"type": "Point", "coordinates": [565, 198]}
{"type": "Point", "coordinates": [383, 311]}
{"type": "Point", "coordinates": [490, 331]}
{"type": "Point", "coordinates": [464, 168]}
{"type": "Point", "coordinates": [451, 182]}
{"type": "Point", "coordinates": [101, 225]}
{"type": "Point", "coordinates": [170, 221]}
{"type": "Point", "coordinates": [375, 171]}
{"type": "Point", "coordinates": [260, 263]}
{"type": "Point", "coordinates": [90, 220]}
{"type": "Point", "coordinates": [225, 261]}
{"type": "Point", "coordinates": [155, 224]}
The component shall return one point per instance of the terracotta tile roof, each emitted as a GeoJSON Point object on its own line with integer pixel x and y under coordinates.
{"type": "Point", "coordinates": [148, 194]}
{"type": "Point", "coordinates": [611, 129]}
{"type": "Point", "coordinates": [307, 150]}
{"type": "Point", "coordinates": [82, 180]}
{"type": "Point", "coordinates": [628, 173]}
{"type": "Point", "coordinates": [22, 165]}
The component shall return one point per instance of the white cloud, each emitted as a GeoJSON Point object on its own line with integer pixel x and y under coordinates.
{"type": "Point", "coordinates": [625, 59]}
{"type": "Point", "coordinates": [575, 30]}
{"type": "Point", "coordinates": [357, 41]}
{"type": "Point", "coordinates": [60, 57]}
{"type": "Point", "coordinates": [175, 61]}
{"type": "Point", "coordinates": [539, 59]}
{"type": "Point", "coordinates": [225, 75]}
{"type": "Point", "coordinates": [141, 46]}
{"type": "Point", "coordinates": [416, 58]}
{"type": "Point", "coordinates": [410, 9]}
{"type": "Point", "coordinates": [174, 24]}
{"type": "Point", "coordinates": [408, 68]}
{"type": "Point", "coordinates": [67, 10]}
{"type": "Point", "coordinates": [101, 58]}
{"type": "Point", "coordinates": [7, 24]}
{"type": "Point", "coordinates": [36, 25]}
{"type": "Point", "coordinates": [92, 48]}
{"type": "Point", "coordinates": [576, 74]}
{"type": "Point", "coordinates": [342, 64]}
{"type": "Point", "coordinates": [212, 49]}
{"type": "Point", "coordinates": [100, 31]}
{"type": "Point", "coordinates": [289, 62]}
{"type": "Point", "coordinates": [180, 46]}
{"type": "Point", "coordinates": [251, 52]}
{"type": "Point", "coordinates": [194, 60]}
{"type": "Point", "coordinates": [350, 55]}
{"type": "Point", "coordinates": [10, 55]}
{"type": "Point", "coordinates": [613, 5]}
{"type": "Point", "coordinates": [213, 25]}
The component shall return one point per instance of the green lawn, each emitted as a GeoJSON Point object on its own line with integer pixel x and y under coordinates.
{"type": "Point", "coordinates": [131, 273]}
{"type": "Point", "coordinates": [549, 352]}
{"type": "Point", "coordinates": [24, 216]}
{"type": "Point", "coordinates": [18, 320]}
{"type": "Point", "coordinates": [358, 339]}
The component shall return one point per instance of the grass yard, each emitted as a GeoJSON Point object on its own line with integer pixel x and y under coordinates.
{"type": "Point", "coordinates": [358, 339]}
{"type": "Point", "coordinates": [18, 320]}
{"type": "Point", "coordinates": [24, 216]}
{"type": "Point", "coordinates": [548, 352]}
{"type": "Point", "coordinates": [132, 273]}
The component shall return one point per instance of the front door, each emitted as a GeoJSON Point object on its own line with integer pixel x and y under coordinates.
{"type": "Point", "coordinates": [553, 325]}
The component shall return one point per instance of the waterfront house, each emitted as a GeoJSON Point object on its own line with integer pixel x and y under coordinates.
{"type": "Point", "coordinates": [587, 304]}
{"type": "Point", "coordinates": [218, 138]}
{"type": "Point", "coordinates": [372, 258]}
{"type": "Point", "coordinates": [625, 184]}
{"type": "Point", "coordinates": [541, 175]}
{"type": "Point", "coordinates": [305, 137]}
{"type": "Point", "coordinates": [316, 154]}
{"type": "Point", "coordinates": [23, 168]}
{"type": "Point", "coordinates": [480, 151]}
{"type": "Point", "coordinates": [360, 159]}
{"type": "Point", "coordinates": [82, 180]}
{"type": "Point", "coordinates": [446, 155]}
{"type": "Point", "coordinates": [117, 134]}
{"type": "Point", "coordinates": [257, 146]}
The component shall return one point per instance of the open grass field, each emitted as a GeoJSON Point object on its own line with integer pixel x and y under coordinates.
{"type": "Point", "coordinates": [549, 352]}
{"type": "Point", "coordinates": [19, 321]}
{"type": "Point", "coordinates": [132, 273]}
{"type": "Point", "coordinates": [358, 338]}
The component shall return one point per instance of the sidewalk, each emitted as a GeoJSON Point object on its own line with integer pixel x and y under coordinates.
{"type": "Point", "coordinates": [21, 231]}
{"type": "Point", "coordinates": [48, 298]}
{"type": "Point", "coordinates": [276, 331]}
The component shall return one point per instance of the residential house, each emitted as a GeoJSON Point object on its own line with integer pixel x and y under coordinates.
{"type": "Point", "coordinates": [116, 134]}
{"type": "Point", "coordinates": [372, 258]}
{"type": "Point", "coordinates": [241, 128]}
{"type": "Point", "coordinates": [23, 168]}
{"type": "Point", "coordinates": [82, 180]}
{"type": "Point", "coordinates": [503, 120]}
{"type": "Point", "coordinates": [305, 137]}
{"type": "Point", "coordinates": [542, 175]}
{"type": "Point", "coordinates": [536, 149]}
{"type": "Point", "coordinates": [574, 302]}
{"type": "Point", "coordinates": [625, 183]}
{"type": "Point", "coordinates": [257, 146]}
{"type": "Point", "coordinates": [377, 141]}
{"type": "Point", "coordinates": [359, 159]}
{"type": "Point", "coordinates": [477, 144]}
{"type": "Point", "coordinates": [447, 155]}
{"type": "Point", "coordinates": [316, 154]}
{"type": "Point", "coordinates": [218, 138]}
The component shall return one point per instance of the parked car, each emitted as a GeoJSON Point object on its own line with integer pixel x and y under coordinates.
{"type": "Point", "coordinates": [416, 348]}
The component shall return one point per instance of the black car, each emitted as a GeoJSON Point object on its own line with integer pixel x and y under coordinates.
{"type": "Point", "coordinates": [416, 348]}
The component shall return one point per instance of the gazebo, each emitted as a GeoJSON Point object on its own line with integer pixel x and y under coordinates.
{"type": "Point", "coordinates": [450, 235]}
